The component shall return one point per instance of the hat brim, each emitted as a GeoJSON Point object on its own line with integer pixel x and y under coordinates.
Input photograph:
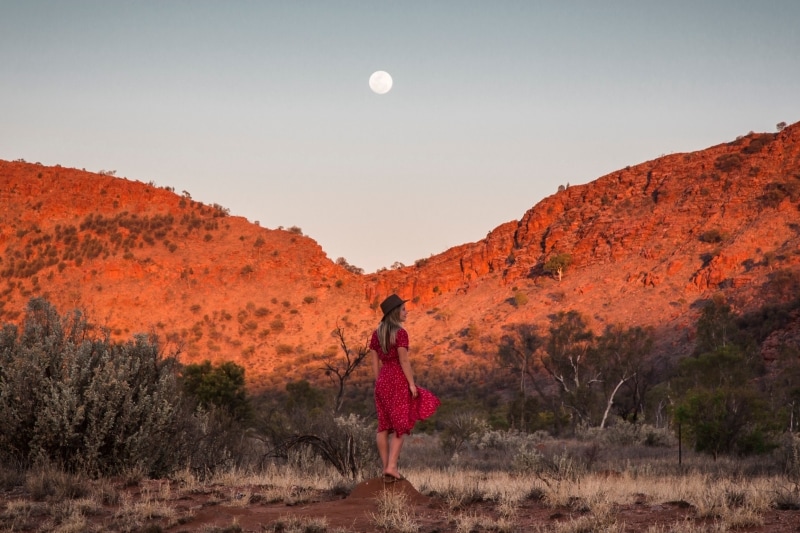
{"type": "Point", "coordinates": [387, 313]}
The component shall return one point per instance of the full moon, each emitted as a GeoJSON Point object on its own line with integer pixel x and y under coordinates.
{"type": "Point", "coordinates": [380, 82]}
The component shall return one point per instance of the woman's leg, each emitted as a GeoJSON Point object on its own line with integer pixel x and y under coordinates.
{"type": "Point", "coordinates": [395, 445]}
{"type": "Point", "coordinates": [383, 448]}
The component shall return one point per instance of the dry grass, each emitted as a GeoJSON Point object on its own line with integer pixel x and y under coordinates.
{"type": "Point", "coordinates": [311, 474]}
{"type": "Point", "coordinates": [465, 487]}
{"type": "Point", "coordinates": [720, 495]}
{"type": "Point", "coordinates": [716, 496]}
{"type": "Point", "coordinates": [730, 504]}
{"type": "Point", "coordinates": [295, 524]}
{"type": "Point", "coordinates": [469, 522]}
{"type": "Point", "coordinates": [274, 484]}
{"type": "Point", "coordinates": [393, 513]}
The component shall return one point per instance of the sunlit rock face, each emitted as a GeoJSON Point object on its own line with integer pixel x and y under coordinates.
{"type": "Point", "coordinates": [647, 245]}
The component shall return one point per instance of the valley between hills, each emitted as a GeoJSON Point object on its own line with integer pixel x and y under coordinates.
{"type": "Point", "coordinates": [649, 244]}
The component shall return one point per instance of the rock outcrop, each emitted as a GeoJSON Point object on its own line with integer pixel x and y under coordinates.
{"type": "Point", "coordinates": [647, 244]}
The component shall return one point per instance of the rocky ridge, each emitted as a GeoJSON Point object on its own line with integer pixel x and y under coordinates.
{"type": "Point", "coordinates": [648, 243]}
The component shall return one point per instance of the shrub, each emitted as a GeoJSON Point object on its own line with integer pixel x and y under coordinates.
{"type": "Point", "coordinates": [345, 443]}
{"type": "Point", "coordinates": [775, 192]}
{"type": "Point", "coordinates": [460, 429]}
{"type": "Point", "coordinates": [220, 211]}
{"type": "Point", "coordinates": [622, 433]}
{"type": "Point", "coordinates": [713, 236]}
{"type": "Point", "coordinates": [787, 456]}
{"type": "Point", "coordinates": [88, 404]}
{"type": "Point", "coordinates": [284, 349]}
{"type": "Point", "coordinates": [520, 299]}
{"type": "Point", "coordinates": [219, 386]}
{"type": "Point", "coordinates": [342, 262]}
{"type": "Point", "coordinates": [757, 144]}
{"type": "Point", "coordinates": [557, 264]}
{"type": "Point", "coordinates": [510, 440]}
{"type": "Point", "coordinates": [728, 162]}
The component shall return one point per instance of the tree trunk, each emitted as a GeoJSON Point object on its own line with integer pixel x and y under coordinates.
{"type": "Point", "coordinates": [611, 402]}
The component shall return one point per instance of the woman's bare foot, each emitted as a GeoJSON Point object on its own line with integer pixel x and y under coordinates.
{"type": "Point", "coordinates": [393, 474]}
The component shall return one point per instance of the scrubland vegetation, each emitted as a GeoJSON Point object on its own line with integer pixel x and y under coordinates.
{"type": "Point", "coordinates": [98, 435]}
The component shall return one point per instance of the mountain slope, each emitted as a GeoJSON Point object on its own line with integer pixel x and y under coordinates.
{"type": "Point", "coordinates": [648, 243]}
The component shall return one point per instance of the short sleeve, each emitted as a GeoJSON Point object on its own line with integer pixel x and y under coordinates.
{"type": "Point", "coordinates": [402, 338]}
{"type": "Point", "coordinates": [374, 343]}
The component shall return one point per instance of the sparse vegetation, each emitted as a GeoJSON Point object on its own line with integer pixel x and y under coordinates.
{"type": "Point", "coordinates": [342, 262]}
{"type": "Point", "coordinates": [567, 441]}
{"type": "Point", "coordinates": [559, 492]}
{"type": "Point", "coordinates": [585, 395]}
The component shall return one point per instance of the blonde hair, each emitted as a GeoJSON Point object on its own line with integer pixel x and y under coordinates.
{"type": "Point", "coordinates": [388, 328]}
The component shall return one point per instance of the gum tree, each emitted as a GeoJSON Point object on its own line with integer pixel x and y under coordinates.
{"type": "Point", "coordinates": [517, 351]}
{"type": "Point", "coordinates": [569, 361]}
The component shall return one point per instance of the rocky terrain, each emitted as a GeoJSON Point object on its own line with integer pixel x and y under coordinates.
{"type": "Point", "coordinates": [648, 245]}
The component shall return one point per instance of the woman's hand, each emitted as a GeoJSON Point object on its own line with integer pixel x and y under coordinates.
{"type": "Point", "coordinates": [413, 389]}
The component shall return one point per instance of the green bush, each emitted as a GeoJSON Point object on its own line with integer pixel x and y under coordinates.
{"type": "Point", "coordinates": [219, 386]}
{"type": "Point", "coordinates": [557, 264]}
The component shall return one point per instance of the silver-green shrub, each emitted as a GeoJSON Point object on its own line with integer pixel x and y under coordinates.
{"type": "Point", "coordinates": [788, 456]}
{"type": "Point", "coordinates": [358, 436]}
{"type": "Point", "coordinates": [86, 403]}
{"type": "Point", "coordinates": [622, 433]}
{"type": "Point", "coordinates": [462, 429]}
{"type": "Point", "coordinates": [511, 440]}
{"type": "Point", "coordinates": [346, 443]}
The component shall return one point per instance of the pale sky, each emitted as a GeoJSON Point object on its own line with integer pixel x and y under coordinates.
{"type": "Point", "coordinates": [264, 108]}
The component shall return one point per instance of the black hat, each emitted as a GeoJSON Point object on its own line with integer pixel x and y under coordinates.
{"type": "Point", "coordinates": [390, 304]}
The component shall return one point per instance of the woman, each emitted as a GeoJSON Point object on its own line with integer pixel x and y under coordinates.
{"type": "Point", "coordinates": [398, 400]}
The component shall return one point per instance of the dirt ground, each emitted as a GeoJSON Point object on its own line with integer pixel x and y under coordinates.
{"type": "Point", "coordinates": [354, 513]}
{"type": "Point", "coordinates": [226, 509]}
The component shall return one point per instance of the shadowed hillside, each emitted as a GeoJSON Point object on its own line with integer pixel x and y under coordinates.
{"type": "Point", "coordinates": [647, 245]}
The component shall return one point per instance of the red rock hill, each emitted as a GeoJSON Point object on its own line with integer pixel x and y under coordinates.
{"type": "Point", "coordinates": [648, 243]}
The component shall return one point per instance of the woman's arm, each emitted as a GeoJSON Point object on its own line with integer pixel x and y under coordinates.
{"type": "Point", "coordinates": [405, 364]}
{"type": "Point", "coordinates": [376, 363]}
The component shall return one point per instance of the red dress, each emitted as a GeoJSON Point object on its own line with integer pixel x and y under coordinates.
{"type": "Point", "coordinates": [397, 410]}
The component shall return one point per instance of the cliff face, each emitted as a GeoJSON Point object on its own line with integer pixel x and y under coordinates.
{"type": "Point", "coordinates": [657, 211]}
{"type": "Point", "coordinates": [647, 244]}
